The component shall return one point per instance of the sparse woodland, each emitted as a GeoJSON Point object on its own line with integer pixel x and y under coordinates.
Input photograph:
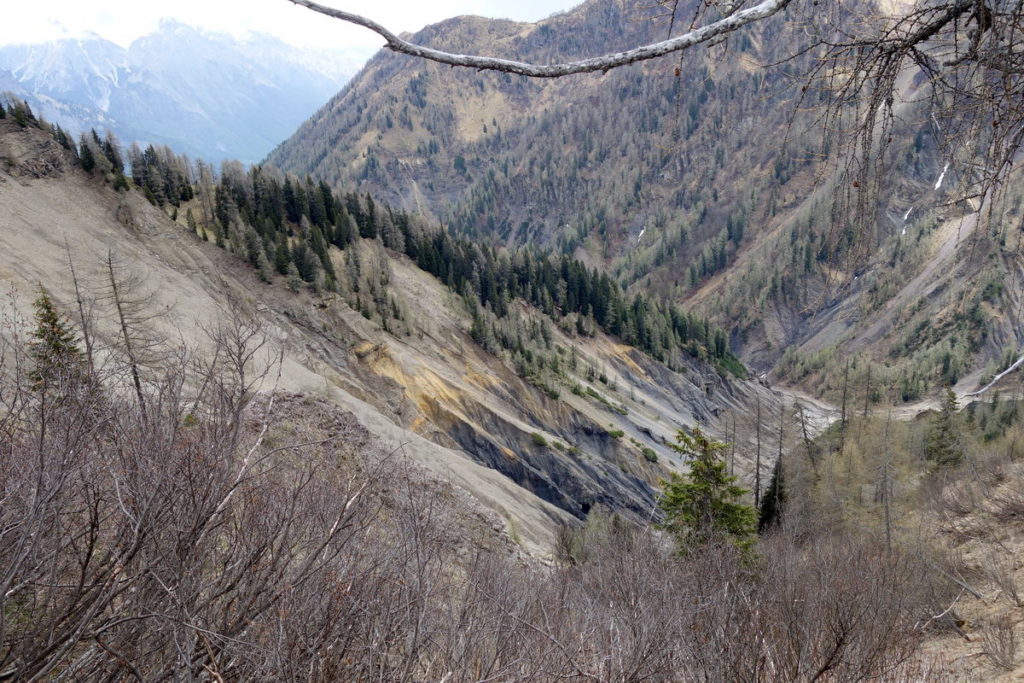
{"type": "Point", "coordinates": [286, 227]}
{"type": "Point", "coordinates": [160, 518]}
{"type": "Point", "coordinates": [194, 529]}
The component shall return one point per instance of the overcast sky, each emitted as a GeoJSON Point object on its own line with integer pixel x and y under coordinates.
{"type": "Point", "coordinates": [121, 21]}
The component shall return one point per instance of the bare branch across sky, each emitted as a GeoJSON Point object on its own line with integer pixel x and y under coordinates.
{"type": "Point", "coordinates": [703, 34]}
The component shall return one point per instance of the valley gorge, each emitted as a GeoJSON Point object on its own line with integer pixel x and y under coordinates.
{"type": "Point", "coordinates": [667, 372]}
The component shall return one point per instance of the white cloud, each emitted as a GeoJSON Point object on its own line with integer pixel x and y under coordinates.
{"type": "Point", "coordinates": [121, 21]}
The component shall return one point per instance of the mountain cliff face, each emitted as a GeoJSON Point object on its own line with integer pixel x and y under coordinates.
{"type": "Point", "coordinates": [535, 454]}
{"type": "Point", "coordinates": [703, 178]}
{"type": "Point", "coordinates": [204, 94]}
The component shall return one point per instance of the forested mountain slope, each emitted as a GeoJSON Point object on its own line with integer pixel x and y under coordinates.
{"type": "Point", "coordinates": [540, 415]}
{"type": "Point", "coordinates": [706, 178]}
{"type": "Point", "coordinates": [553, 161]}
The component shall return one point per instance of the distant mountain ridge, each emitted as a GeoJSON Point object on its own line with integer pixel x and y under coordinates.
{"type": "Point", "coordinates": [205, 94]}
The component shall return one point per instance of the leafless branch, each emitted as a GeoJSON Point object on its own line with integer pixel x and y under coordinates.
{"type": "Point", "coordinates": [715, 30]}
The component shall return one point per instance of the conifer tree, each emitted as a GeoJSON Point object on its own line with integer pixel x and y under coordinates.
{"type": "Point", "coordinates": [22, 114]}
{"type": "Point", "coordinates": [61, 136]}
{"type": "Point", "coordinates": [253, 247]}
{"type": "Point", "coordinates": [112, 150]}
{"type": "Point", "coordinates": [368, 226]}
{"type": "Point", "coordinates": [282, 256]}
{"type": "Point", "coordinates": [305, 262]}
{"type": "Point", "coordinates": [53, 349]}
{"type": "Point", "coordinates": [774, 501]}
{"type": "Point", "coordinates": [943, 447]}
{"type": "Point", "coordinates": [85, 154]}
{"type": "Point", "coordinates": [344, 230]}
{"type": "Point", "coordinates": [704, 506]}
{"type": "Point", "coordinates": [317, 212]}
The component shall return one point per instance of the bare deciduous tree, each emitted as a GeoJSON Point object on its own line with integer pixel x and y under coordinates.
{"type": "Point", "coordinates": [133, 308]}
{"type": "Point", "coordinates": [222, 534]}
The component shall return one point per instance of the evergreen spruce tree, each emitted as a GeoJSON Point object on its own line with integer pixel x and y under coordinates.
{"type": "Point", "coordinates": [86, 156]}
{"type": "Point", "coordinates": [478, 328]}
{"type": "Point", "coordinates": [61, 137]}
{"type": "Point", "coordinates": [304, 261]}
{"type": "Point", "coordinates": [53, 348]}
{"type": "Point", "coordinates": [22, 114]}
{"type": "Point", "coordinates": [344, 231]}
{"type": "Point", "coordinates": [368, 226]}
{"type": "Point", "coordinates": [943, 447]}
{"type": "Point", "coordinates": [112, 150]}
{"type": "Point", "coordinates": [282, 256]}
{"type": "Point", "coordinates": [704, 506]}
{"type": "Point", "coordinates": [291, 204]}
{"type": "Point", "coordinates": [774, 501]}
